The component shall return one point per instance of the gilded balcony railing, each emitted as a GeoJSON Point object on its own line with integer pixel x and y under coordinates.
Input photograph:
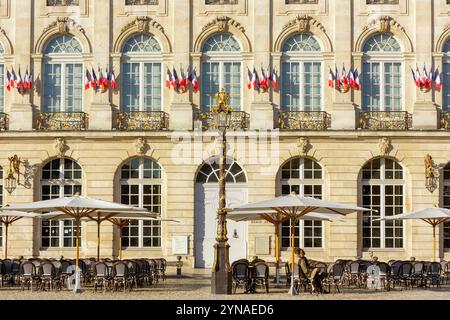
{"type": "Point", "coordinates": [385, 120]}
{"type": "Point", "coordinates": [4, 121]}
{"type": "Point", "coordinates": [304, 120]}
{"type": "Point", "coordinates": [239, 120]}
{"type": "Point", "coordinates": [445, 120]}
{"type": "Point", "coordinates": [142, 121]}
{"type": "Point", "coordinates": [68, 121]}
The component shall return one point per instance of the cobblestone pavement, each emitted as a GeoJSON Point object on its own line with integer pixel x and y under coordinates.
{"type": "Point", "coordinates": [198, 288]}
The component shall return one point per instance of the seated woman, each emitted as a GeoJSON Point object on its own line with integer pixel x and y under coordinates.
{"type": "Point", "coordinates": [313, 274]}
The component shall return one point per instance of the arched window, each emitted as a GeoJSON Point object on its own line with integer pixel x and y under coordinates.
{"type": "Point", "coordinates": [446, 204]}
{"type": "Point", "coordinates": [382, 74]}
{"type": "Point", "coordinates": [141, 74]}
{"type": "Point", "coordinates": [446, 77]}
{"type": "Point", "coordinates": [63, 75]}
{"type": "Point", "coordinates": [209, 173]}
{"type": "Point", "coordinates": [2, 79]}
{"type": "Point", "coordinates": [305, 177]}
{"type": "Point", "coordinates": [221, 68]}
{"type": "Point", "coordinates": [141, 186]}
{"type": "Point", "coordinates": [60, 178]}
{"type": "Point", "coordinates": [382, 190]}
{"type": "Point", "coordinates": [301, 70]}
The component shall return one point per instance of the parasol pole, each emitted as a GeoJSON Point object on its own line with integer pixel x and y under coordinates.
{"type": "Point", "coordinates": [120, 241]}
{"type": "Point", "coordinates": [98, 236]}
{"type": "Point", "coordinates": [277, 252]}
{"type": "Point", "coordinates": [434, 242]}
{"type": "Point", "coordinates": [6, 240]}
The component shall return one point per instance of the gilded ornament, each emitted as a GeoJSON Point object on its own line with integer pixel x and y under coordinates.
{"type": "Point", "coordinates": [431, 174]}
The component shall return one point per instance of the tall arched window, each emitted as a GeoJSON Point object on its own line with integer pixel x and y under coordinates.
{"type": "Point", "coordinates": [2, 79]}
{"type": "Point", "coordinates": [305, 177]}
{"type": "Point", "coordinates": [301, 88]}
{"type": "Point", "coordinates": [221, 68]}
{"type": "Point", "coordinates": [383, 187]}
{"type": "Point", "coordinates": [210, 172]}
{"type": "Point", "coordinates": [141, 74]}
{"type": "Point", "coordinates": [63, 75]}
{"type": "Point", "coordinates": [60, 178]}
{"type": "Point", "coordinates": [446, 77]}
{"type": "Point", "coordinates": [141, 186]}
{"type": "Point", "coordinates": [446, 204]}
{"type": "Point", "coordinates": [382, 74]}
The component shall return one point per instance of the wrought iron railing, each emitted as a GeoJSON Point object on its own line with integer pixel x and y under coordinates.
{"type": "Point", "coordinates": [142, 121]}
{"type": "Point", "coordinates": [240, 120]}
{"type": "Point", "coordinates": [304, 120]}
{"type": "Point", "coordinates": [62, 3]}
{"type": "Point", "coordinates": [4, 121]}
{"type": "Point", "coordinates": [445, 120]}
{"type": "Point", "coordinates": [55, 121]}
{"type": "Point", "coordinates": [385, 120]}
{"type": "Point", "coordinates": [141, 2]}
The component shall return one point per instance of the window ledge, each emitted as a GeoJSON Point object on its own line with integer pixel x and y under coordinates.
{"type": "Point", "coordinates": [141, 249]}
{"type": "Point", "coordinates": [384, 250]}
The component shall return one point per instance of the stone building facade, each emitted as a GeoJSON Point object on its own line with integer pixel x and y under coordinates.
{"type": "Point", "coordinates": [147, 145]}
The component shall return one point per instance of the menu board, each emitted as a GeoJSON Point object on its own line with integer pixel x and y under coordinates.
{"type": "Point", "coordinates": [180, 245]}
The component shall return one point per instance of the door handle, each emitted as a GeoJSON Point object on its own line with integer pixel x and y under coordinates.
{"type": "Point", "coordinates": [235, 234]}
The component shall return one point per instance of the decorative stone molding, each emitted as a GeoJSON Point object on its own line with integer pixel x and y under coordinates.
{"type": "Point", "coordinates": [445, 35]}
{"type": "Point", "coordinates": [142, 24]}
{"type": "Point", "coordinates": [142, 146]}
{"type": "Point", "coordinates": [384, 24]}
{"type": "Point", "coordinates": [7, 46]}
{"type": "Point", "coordinates": [304, 23]}
{"type": "Point", "coordinates": [61, 147]}
{"type": "Point", "coordinates": [63, 25]}
{"type": "Point", "coordinates": [223, 24]}
{"type": "Point", "coordinates": [303, 145]}
{"type": "Point", "coordinates": [385, 146]}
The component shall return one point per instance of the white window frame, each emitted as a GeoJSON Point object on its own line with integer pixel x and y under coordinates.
{"type": "Point", "coordinates": [445, 183]}
{"type": "Point", "coordinates": [445, 79]}
{"type": "Point", "coordinates": [143, 58]}
{"type": "Point", "coordinates": [61, 182]}
{"type": "Point", "coordinates": [383, 183]}
{"type": "Point", "coordinates": [64, 59]}
{"type": "Point", "coordinates": [382, 58]}
{"type": "Point", "coordinates": [302, 58]}
{"type": "Point", "coordinates": [222, 58]}
{"type": "Point", "coordinates": [141, 181]}
{"type": "Point", "coordinates": [302, 182]}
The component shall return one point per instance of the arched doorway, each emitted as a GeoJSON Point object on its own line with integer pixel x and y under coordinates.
{"type": "Point", "coordinates": [206, 204]}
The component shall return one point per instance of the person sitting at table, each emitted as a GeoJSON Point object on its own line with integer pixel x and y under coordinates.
{"type": "Point", "coordinates": [313, 274]}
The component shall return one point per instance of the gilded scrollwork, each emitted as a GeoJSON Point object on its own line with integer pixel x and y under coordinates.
{"type": "Point", "coordinates": [143, 121]}
{"type": "Point", "coordinates": [62, 121]}
{"type": "Point", "coordinates": [431, 174]}
{"type": "Point", "coordinates": [239, 120]}
{"type": "Point", "coordinates": [385, 120]}
{"type": "Point", "coordinates": [304, 120]}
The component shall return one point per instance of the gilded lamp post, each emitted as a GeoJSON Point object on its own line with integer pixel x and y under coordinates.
{"type": "Point", "coordinates": [221, 272]}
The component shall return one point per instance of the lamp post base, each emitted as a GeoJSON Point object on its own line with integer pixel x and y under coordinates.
{"type": "Point", "coordinates": [221, 282]}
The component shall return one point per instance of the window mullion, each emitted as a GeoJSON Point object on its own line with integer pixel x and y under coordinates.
{"type": "Point", "coordinates": [301, 78]}
{"type": "Point", "coordinates": [141, 86]}
{"type": "Point", "coordinates": [62, 106]}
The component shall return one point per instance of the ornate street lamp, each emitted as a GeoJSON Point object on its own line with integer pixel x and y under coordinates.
{"type": "Point", "coordinates": [14, 168]}
{"type": "Point", "coordinates": [221, 271]}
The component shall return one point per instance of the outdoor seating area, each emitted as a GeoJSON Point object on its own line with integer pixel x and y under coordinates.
{"type": "Point", "coordinates": [99, 275]}
{"type": "Point", "coordinates": [345, 275]}
{"type": "Point", "coordinates": [395, 274]}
